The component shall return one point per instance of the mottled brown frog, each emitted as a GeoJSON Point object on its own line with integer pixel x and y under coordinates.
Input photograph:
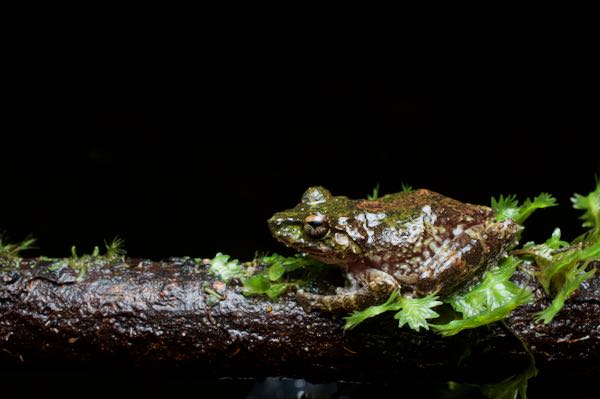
{"type": "Point", "coordinates": [419, 242]}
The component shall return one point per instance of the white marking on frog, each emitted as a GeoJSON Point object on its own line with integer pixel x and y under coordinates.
{"type": "Point", "coordinates": [342, 239]}
{"type": "Point", "coordinates": [457, 230]}
{"type": "Point", "coordinates": [374, 219]}
{"type": "Point", "coordinates": [413, 230]}
{"type": "Point", "coordinates": [390, 235]}
{"type": "Point", "coordinates": [430, 216]}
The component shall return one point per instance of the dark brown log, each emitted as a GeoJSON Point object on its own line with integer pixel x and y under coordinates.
{"type": "Point", "coordinates": [148, 313]}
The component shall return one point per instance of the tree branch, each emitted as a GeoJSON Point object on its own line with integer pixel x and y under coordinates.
{"type": "Point", "coordinates": [162, 314]}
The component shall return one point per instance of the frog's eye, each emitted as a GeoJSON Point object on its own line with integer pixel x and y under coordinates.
{"type": "Point", "coordinates": [316, 226]}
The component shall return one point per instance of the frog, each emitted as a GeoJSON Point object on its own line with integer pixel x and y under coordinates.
{"type": "Point", "coordinates": [416, 242]}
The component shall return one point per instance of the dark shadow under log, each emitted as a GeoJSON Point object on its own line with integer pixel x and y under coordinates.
{"type": "Point", "coordinates": [158, 314]}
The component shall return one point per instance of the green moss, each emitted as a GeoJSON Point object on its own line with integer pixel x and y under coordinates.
{"type": "Point", "coordinates": [114, 253]}
{"type": "Point", "coordinates": [13, 250]}
{"type": "Point", "coordinates": [375, 193]}
{"type": "Point", "coordinates": [562, 267]}
{"type": "Point", "coordinates": [590, 205]}
{"type": "Point", "coordinates": [508, 207]}
{"type": "Point", "coordinates": [271, 275]}
{"type": "Point", "coordinates": [226, 269]}
{"type": "Point", "coordinates": [491, 300]}
{"type": "Point", "coordinates": [276, 279]}
{"type": "Point", "coordinates": [10, 252]}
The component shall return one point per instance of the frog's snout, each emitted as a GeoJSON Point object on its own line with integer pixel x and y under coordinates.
{"type": "Point", "coordinates": [273, 223]}
{"type": "Point", "coordinates": [275, 220]}
{"type": "Point", "coordinates": [284, 228]}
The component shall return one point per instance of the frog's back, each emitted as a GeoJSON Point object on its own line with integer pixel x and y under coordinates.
{"type": "Point", "coordinates": [411, 204]}
{"type": "Point", "coordinates": [431, 242]}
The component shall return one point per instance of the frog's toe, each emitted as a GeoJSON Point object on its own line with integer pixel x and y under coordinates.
{"type": "Point", "coordinates": [306, 300]}
{"type": "Point", "coordinates": [342, 302]}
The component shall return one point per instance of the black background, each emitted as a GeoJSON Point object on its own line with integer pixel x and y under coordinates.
{"type": "Point", "coordinates": [193, 168]}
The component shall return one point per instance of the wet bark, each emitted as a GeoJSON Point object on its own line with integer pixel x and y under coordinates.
{"type": "Point", "coordinates": [149, 314]}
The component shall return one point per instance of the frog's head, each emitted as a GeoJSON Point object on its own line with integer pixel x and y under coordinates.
{"type": "Point", "coordinates": [316, 226]}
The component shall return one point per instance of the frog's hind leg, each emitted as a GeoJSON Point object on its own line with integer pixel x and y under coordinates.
{"type": "Point", "coordinates": [376, 287]}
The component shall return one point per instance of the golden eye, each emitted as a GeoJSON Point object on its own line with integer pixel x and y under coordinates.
{"type": "Point", "coordinates": [316, 226]}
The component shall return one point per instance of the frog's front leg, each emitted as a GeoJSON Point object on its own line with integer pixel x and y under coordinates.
{"type": "Point", "coordinates": [372, 287]}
